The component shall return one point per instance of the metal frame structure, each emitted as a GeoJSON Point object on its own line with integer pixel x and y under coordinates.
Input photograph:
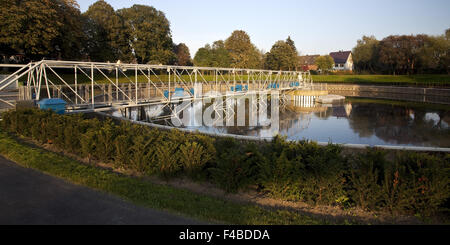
{"type": "Point", "coordinates": [99, 86]}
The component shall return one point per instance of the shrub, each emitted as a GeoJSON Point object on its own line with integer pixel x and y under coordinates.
{"type": "Point", "coordinates": [428, 181]}
{"type": "Point", "coordinates": [88, 143]}
{"type": "Point", "coordinates": [304, 171]}
{"type": "Point", "coordinates": [166, 163]}
{"type": "Point", "coordinates": [141, 154]}
{"type": "Point", "coordinates": [323, 178]}
{"type": "Point", "coordinates": [105, 141]}
{"type": "Point", "coordinates": [236, 167]}
{"type": "Point", "coordinates": [122, 146]}
{"type": "Point", "coordinates": [193, 158]}
{"type": "Point", "coordinates": [72, 134]}
{"type": "Point", "coordinates": [396, 192]}
{"type": "Point", "coordinates": [364, 176]}
{"type": "Point", "coordinates": [279, 175]}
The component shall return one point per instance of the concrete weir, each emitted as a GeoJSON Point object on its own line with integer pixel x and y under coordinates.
{"type": "Point", "coordinates": [305, 98]}
{"type": "Point", "coordinates": [330, 98]}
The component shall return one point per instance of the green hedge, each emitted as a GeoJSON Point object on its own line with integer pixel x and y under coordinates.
{"type": "Point", "coordinates": [409, 183]}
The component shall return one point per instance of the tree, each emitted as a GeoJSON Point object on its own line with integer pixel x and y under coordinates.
{"type": "Point", "coordinates": [203, 56]}
{"type": "Point", "coordinates": [41, 28]}
{"type": "Point", "coordinates": [107, 36]}
{"type": "Point", "coordinates": [365, 54]}
{"type": "Point", "coordinates": [183, 55]}
{"type": "Point", "coordinates": [435, 55]}
{"type": "Point", "coordinates": [291, 43]}
{"type": "Point", "coordinates": [70, 41]}
{"type": "Point", "coordinates": [400, 53]}
{"type": "Point", "coordinates": [325, 63]}
{"type": "Point", "coordinates": [406, 54]}
{"type": "Point", "coordinates": [282, 56]}
{"type": "Point", "coordinates": [219, 54]}
{"type": "Point", "coordinates": [243, 53]}
{"type": "Point", "coordinates": [213, 56]}
{"type": "Point", "coordinates": [150, 36]}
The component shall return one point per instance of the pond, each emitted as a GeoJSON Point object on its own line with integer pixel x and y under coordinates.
{"type": "Point", "coordinates": [354, 121]}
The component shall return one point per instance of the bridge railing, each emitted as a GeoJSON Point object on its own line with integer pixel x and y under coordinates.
{"type": "Point", "coordinates": [98, 84]}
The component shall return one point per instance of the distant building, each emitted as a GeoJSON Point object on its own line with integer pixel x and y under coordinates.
{"type": "Point", "coordinates": [343, 60]}
{"type": "Point", "coordinates": [307, 62]}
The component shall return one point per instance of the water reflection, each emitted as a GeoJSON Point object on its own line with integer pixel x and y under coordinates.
{"type": "Point", "coordinates": [348, 122]}
{"type": "Point", "coordinates": [401, 125]}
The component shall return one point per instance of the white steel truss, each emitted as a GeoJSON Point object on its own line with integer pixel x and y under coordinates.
{"type": "Point", "coordinates": [92, 86]}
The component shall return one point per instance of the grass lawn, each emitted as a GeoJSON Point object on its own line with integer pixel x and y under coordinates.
{"type": "Point", "coordinates": [420, 80]}
{"type": "Point", "coordinates": [143, 192]}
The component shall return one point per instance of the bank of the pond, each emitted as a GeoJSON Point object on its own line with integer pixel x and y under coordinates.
{"type": "Point", "coordinates": [402, 80]}
{"type": "Point", "coordinates": [399, 183]}
{"type": "Point", "coordinates": [406, 93]}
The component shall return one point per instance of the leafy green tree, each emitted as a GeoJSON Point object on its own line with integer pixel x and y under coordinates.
{"type": "Point", "coordinates": [406, 54]}
{"type": "Point", "coordinates": [435, 55]}
{"type": "Point", "coordinates": [220, 56]}
{"type": "Point", "coordinates": [203, 56]}
{"type": "Point", "coordinates": [365, 54]}
{"type": "Point", "coordinates": [150, 36]}
{"type": "Point", "coordinates": [41, 28]}
{"type": "Point", "coordinates": [400, 53]}
{"type": "Point", "coordinates": [291, 43]}
{"type": "Point", "coordinates": [242, 52]}
{"type": "Point", "coordinates": [213, 56]}
{"type": "Point", "coordinates": [183, 55]}
{"type": "Point", "coordinates": [282, 56]}
{"type": "Point", "coordinates": [325, 63]}
{"type": "Point", "coordinates": [107, 36]}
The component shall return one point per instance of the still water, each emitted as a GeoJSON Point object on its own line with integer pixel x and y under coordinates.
{"type": "Point", "coordinates": [372, 123]}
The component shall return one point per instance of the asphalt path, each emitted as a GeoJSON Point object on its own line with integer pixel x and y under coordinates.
{"type": "Point", "coordinates": [30, 197]}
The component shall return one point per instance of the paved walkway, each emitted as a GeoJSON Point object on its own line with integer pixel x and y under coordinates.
{"type": "Point", "coordinates": [31, 197]}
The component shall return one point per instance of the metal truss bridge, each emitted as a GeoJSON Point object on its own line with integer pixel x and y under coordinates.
{"type": "Point", "coordinates": [95, 86]}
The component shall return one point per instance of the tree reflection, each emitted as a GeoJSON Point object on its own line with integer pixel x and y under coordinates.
{"type": "Point", "coordinates": [399, 124]}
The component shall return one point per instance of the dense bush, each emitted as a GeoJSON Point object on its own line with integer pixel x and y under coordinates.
{"type": "Point", "coordinates": [236, 166]}
{"type": "Point", "coordinates": [414, 183]}
{"type": "Point", "coordinates": [304, 171]}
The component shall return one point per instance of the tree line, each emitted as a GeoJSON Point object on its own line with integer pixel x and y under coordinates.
{"type": "Point", "coordinates": [56, 29]}
{"type": "Point", "coordinates": [405, 54]}
{"type": "Point", "coordinates": [238, 51]}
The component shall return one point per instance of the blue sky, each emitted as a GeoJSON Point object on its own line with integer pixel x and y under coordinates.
{"type": "Point", "coordinates": [317, 27]}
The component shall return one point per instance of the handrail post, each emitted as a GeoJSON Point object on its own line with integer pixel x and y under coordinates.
{"type": "Point", "coordinates": [136, 79]}
{"type": "Point", "coordinates": [92, 86]}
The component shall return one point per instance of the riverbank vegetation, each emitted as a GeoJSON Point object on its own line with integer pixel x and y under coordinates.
{"type": "Point", "coordinates": [398, 183]}
{"type": "Point", "coordinates": [401, 80]}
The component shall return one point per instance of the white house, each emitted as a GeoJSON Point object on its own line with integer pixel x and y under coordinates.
{"type": "Point", "coordinates": [343, 60]}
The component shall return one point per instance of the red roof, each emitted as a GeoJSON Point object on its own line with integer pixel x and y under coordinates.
{"type": "Point", "coordinates": [340, 57]}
